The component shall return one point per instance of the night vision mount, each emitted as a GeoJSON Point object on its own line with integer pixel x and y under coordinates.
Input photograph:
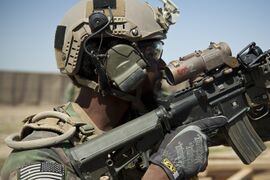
{"type": "Point", "coordinates": [170, 11]}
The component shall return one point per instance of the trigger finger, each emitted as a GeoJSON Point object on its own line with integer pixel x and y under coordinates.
{"type": "Point", "coordinates": [211, 122]}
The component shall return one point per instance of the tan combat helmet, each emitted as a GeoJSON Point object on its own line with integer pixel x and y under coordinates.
{"type": "Point", "coordinates": [132, 20]}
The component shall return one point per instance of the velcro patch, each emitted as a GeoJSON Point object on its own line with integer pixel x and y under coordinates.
{"type": "Point", "coordinates": [43, 170]}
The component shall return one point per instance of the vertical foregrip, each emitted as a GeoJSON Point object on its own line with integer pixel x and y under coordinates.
{"type": "Point", "coordinates": [244, 139]}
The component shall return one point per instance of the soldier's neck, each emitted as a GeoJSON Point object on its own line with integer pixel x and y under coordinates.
{"type": "Point", "coordinates": [105, 111]}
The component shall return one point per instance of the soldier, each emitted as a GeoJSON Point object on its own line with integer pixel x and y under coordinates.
{"type": "Point", "coordinates": [112, 50]}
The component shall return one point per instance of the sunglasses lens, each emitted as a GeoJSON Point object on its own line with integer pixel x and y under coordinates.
{"type": "Point", "coordinates": [152, 49]}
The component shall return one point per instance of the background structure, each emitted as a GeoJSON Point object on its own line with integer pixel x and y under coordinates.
{"type": "Point", "coordinates": [32, 88]}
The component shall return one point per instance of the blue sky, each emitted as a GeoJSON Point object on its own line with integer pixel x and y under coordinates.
{"type": "Point", "coordinates": [28, 27]}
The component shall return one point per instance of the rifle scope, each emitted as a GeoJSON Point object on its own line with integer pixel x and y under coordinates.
{"type": "Point", "coordinates": [198, 62]}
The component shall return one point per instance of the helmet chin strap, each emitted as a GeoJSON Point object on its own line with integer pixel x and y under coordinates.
{"type": "Point", "coordinates": [135, 100]}
{"type": "Point", "coordinates": [88, 83]}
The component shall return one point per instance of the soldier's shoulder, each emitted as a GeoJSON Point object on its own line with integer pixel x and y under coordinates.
{"type": "Point", "coordinates": [64, 123]}
{"type": "Point", "coordinates": [44, 138]}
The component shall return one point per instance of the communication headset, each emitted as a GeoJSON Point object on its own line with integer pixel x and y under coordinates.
{"type": "Point", "coordinates": [124, 64]}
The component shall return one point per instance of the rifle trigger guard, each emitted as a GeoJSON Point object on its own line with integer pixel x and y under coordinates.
{"type": "Point", "coordinates": [115, 170]}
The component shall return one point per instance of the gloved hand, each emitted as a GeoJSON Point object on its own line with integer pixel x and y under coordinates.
{"type": "Point", "coordinates": [184, 153]}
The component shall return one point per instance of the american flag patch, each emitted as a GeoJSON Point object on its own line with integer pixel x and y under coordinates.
{"type": "Point", "coordinates": [43, 170]}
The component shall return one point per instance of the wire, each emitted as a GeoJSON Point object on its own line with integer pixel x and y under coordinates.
{"type": "Point", "coordinates": [100, 30]}
{"type": "Point", "coordinates": [100, 43]}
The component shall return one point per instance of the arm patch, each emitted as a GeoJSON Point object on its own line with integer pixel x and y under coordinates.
{"type": "Point", "coordinates": [59, 37]}
{"type": "Point", "coordinates": [42, 170]}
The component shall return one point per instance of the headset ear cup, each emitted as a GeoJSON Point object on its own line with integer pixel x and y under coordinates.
{"type": "Point", "coordinates": [125, 67]}
{"type": "Point", "coordinates": [97, 21]}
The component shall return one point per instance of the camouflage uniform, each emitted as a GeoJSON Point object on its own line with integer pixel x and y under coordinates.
{"type": "Point", "coordinates": [48, 161]}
